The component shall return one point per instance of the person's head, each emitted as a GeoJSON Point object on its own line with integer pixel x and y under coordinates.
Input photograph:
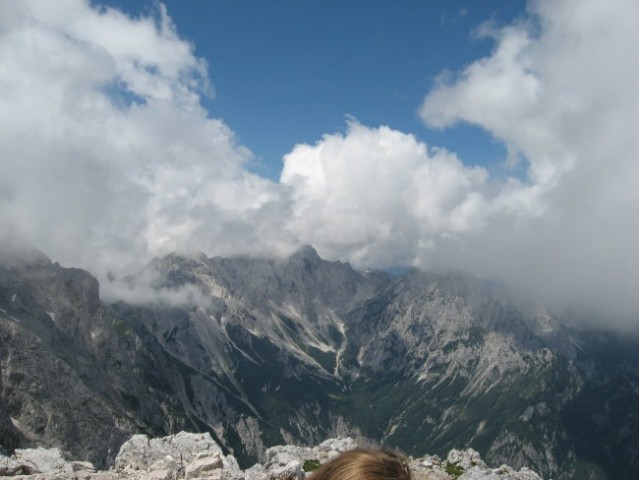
{"type": "Point", "coordinates": [364, 464]}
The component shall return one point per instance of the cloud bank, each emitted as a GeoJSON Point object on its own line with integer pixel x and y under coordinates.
{"type": "Point", "coordinates": [560, 91]}
{"type": "Point", "coordinates": [108, 158]}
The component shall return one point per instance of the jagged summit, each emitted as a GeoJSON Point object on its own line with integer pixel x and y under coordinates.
{"type": "Point", "coordinates": [307, 252]}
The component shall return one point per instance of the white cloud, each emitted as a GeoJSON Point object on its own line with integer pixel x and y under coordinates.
{"type": "Point", "coordinates": [106, 155]}
{"type": "Point", "coordinates": [560, 89]}
{"type": "Point", "coordinates": [378, 196]}
{"type": "Point", "coordinates": [148, 286]}
{"type": "Point", "coordinates": [148, 55]}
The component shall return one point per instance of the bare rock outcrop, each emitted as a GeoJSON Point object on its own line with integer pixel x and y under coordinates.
{"type": "Point", "coordinates": [196, 456]}
{"type": "Point", "coordinates": [465, 465]}
{"type": "Point", "coordinates": [32, 461]}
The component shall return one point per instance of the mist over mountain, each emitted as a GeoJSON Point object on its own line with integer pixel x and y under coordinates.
{"type": "Point", "coordinates": [260, 352]}
{"type": "Point", "coordinates": [110, 135]}
{"type": "Point", "coordinates": [454, 296]}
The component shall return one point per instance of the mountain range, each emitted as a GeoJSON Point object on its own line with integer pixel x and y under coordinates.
{"type": "Point", "coordinates": [261, 352]}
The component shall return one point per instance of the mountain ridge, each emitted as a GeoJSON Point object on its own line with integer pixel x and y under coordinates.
{"type": "Point", "coordinates": [260, 352]}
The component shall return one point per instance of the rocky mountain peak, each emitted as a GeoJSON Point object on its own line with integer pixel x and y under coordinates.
{"type": "Point", "coordinates": [295, 350]}
{"type": "Point", "coordinates": [307, 254]}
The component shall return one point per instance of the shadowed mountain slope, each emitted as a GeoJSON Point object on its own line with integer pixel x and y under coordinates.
{"type": "Point", "coordinates": [261, 352]}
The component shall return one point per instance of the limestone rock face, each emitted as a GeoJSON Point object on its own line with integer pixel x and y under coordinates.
{"type": "Point", "coordinates": [75, 375]}
{"type": "Point", "coordinates": [198, 457]}
{"type": "Point", "coordinates": [9, 438]}
{"type": "Point", "coordinates": [471, 467]}
{"type": "Point", "coordinates": [465, 459]}
{"type": "Point", "coordinates": [282, 455]}
{"type": "Point", "coordinates": [196, 451]}
{"type": "Point", "coordinates": [36, 461]}
{"type": "Point", "coordinates": [261, 352]}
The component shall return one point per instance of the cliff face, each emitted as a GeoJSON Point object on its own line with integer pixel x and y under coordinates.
{"type": "Point", "coordinates": [261, 352]}
{"type": "Point", "coordinates": [9, 438]}
{"type": "Point", "coordinates": [74, 375]}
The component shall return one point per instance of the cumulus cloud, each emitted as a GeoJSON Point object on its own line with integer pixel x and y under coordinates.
{"type": "Point", "coordinates": [106, 155]}
{"type": "Point", "coordinates": [379, 197]}
{"type": "Point", "coordinates": [559, 91]}
{"type": "Point", "coordinates": [108, 158]}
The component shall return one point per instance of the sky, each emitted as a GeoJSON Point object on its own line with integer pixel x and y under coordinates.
{"type": "Point", "coordinates": [289, 71]}
{"type": "Point", "coordinates": [492, 137]}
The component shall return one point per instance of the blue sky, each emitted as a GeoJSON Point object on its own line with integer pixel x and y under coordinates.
{"type": "Point", "coordinates": [379, 134]}
{"type": "Point", "coordinates": [289, 71]}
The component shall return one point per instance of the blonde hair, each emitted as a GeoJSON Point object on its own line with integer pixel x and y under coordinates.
{"type": "Point", "coordinates": [364, 464]}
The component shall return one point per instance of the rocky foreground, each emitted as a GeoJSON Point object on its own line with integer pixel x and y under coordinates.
{"type": "Point", "coordinates": [197, 456]}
